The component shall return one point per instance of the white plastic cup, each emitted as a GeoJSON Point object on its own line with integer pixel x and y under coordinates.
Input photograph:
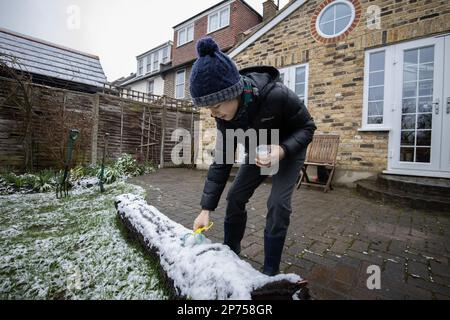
{"type": "Point", "coordinates": [263, 151]}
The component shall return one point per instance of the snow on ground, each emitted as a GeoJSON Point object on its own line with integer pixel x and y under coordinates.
{"type": "Point", "coordinates": [72, 248]}
{"type": "Point", "coordinates": [200, 271]}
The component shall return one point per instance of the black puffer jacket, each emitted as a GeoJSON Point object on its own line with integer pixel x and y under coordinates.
{"type": "Point", "coordinates": [274, 106]}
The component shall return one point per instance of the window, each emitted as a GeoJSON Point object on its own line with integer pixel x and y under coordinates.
{"type": "Point", "coordinates": [375, 98]}
{"type": "Point", "coordinates": [417, 102]}
{"type": "Point", "coordinates": [300, 82]}
{"type": "Point", "coordinates": [296, 79]}
{"type": "Point", "coordinates": [140, 66]}
{"type": "Point", "coordinates": [165, 55]}
{"type": "Point", "coordinates": [151, 86]}
{"type": "Point", "coordinates": [335, 18]}
{"type": "Point", "coordinates": [186, 34]}
{"type": "Point", "coordinates": [155, 61]}
{"type": "Point", "coordinates": [219, 19]}
{"type": "Point", "coordinates": [149, 63]}
{"type": "Point", "coordinates": [179, 84]}
{"type": "Point", "coordinates": [378, 97]}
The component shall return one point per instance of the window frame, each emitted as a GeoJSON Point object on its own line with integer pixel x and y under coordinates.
{"type": "Point", "coordinates": [187, 39]}
{"type": "Point", "coordinates": [289, 73]}
{"type": "Point", "coordinates": [149, 63]}
{"type": "Point", "coordinates": [178, 84]}
{"type": "Point", "coordinates": [151, 83]}
{"type": "Point", "coordinates": [165, 58]}
{"type": "Point", "coordinates": [333, 3]}
{"type": "Point", "coordinates": [218, 13]}
{"type": "Point", "coordinates": [155, 59]}
{"type": "Point", "coordinates": [140, 66]}
{"type": "Point", "coordinates": [388, 91]}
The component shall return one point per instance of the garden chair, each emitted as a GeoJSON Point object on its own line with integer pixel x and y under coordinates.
{"type": "Point", "coordinates": [322, 152]}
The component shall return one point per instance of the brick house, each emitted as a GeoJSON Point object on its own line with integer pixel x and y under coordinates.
{"type": "Point", "coordinates": [375, 72]}
{"type": "Point", "coordinates": [225, 22]}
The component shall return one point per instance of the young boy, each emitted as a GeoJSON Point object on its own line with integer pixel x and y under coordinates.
{"type": "Point", "coordinates": [253, 98]}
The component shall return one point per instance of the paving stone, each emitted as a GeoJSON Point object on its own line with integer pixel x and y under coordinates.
{"type": "Point", "coordinates": [342, 221]}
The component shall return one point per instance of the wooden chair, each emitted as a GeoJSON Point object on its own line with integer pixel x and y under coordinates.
{"type": "Point", "coordinates": [322, 152]}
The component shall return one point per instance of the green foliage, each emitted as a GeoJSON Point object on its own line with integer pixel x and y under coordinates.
{"type": "Point", "coordinates": [9, 178]}
{"type": "Point", "coordinates": [110, 175]}
{"type": "Point", "coordinates": [128, 165]}
{"type": "Point", "coordinates": [46, 180]}
{"type": "Point", "coordinates": [77, 173]}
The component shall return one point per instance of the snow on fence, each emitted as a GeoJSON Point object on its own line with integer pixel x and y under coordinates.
{"type": "Point", "coordinates": [200, 271]}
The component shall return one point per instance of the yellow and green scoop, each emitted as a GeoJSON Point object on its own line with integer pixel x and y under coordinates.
{"type": "Point", "coordinates": [198, 235]}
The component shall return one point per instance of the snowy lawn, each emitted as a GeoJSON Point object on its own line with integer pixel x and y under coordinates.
{"type": "Point", "coordinates": [72, 248]}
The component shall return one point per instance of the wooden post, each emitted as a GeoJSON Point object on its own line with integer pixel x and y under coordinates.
{"type": "Point", "coordinates": [149, 133]}
{"type": "Point", "coordinates": [163, 133]}
{"type": "Point", "coordinates": [143, 129]}
{"type": "Point", "coordinates": [94, 139]}
{"type": "Point", "coordinates": [121, 126]}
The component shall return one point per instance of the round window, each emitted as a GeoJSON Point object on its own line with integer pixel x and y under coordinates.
{"type": "Point", "coordinates": [335, 18]}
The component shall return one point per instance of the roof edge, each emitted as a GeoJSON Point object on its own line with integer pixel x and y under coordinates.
{"type": "Point", "coordinates": [217, 5]}
{"type": "Point", "coordinates": [57, 46]}
{"type": "Point", "coordinates": [266, 27]}
{"type": "Point", "coordinates": [170, 42]}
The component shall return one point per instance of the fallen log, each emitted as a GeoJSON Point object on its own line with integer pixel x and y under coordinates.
{"type": "Point", "coordinates": [200, 271]}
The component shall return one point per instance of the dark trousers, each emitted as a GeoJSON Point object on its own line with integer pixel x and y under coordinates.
{"type": "Point", "coordinates": [279, 208]}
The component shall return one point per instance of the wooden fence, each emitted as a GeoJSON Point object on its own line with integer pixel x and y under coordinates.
{"type": "Point", "coordinates": [137, 124]}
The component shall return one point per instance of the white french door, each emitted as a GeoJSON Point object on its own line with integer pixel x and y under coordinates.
{"type": "Point", "coordinates": [445, 145]}
{"type": "Point", "coordinates": [421, 119]}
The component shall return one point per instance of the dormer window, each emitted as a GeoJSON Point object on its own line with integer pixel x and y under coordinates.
{"type": "Point", "coordinates": [165, 55]}
{"type": "Point", "coordinates": [155, 61]}
{"type": "Point", "coordinates": [140, 66]}
{"type": "Point", "coordinates": [185, 34]}
{"type": "Point", "coordinates": [219, 19]}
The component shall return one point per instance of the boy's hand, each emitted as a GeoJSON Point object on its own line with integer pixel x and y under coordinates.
{"type": "Point", "coordinates": [202, 220]}
{"type": "Point", "coordinates": [276, 155]}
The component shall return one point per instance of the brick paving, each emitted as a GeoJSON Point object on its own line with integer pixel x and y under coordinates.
{"type": "Point", "coordinates": [332, 239]}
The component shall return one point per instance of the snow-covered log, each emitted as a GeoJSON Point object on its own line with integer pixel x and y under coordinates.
{"type": "Point", "coordinates": [200, 271]}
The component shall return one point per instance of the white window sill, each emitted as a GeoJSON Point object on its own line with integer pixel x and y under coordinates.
{"type": "Point", "coordinates": [209, 32]}
{"type": "Point", "coordinates": [181, 45]}
{"type": "Point", "coordinates": [374, 129]}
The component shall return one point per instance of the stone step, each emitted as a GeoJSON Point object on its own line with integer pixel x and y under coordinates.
{"type": "Point", "coordinates": [414, 185]}
{"type": "Point", "coordinates": [374, 190]}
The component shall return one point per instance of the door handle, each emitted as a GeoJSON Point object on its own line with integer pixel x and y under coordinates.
{"type": "Point", "coordinates": [448, 105]}
{"type": "Point", "coordinates": [436, 106]}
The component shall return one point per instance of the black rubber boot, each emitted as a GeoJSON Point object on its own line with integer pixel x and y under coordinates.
{"type": "Point", "coordinates": [233, 234]}
{"type": "Point", "coordinates": [273, 249]}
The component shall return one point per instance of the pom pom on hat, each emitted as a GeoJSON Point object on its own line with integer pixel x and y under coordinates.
{"type": "Point", "coordinates": [207, 46]}
{"type": "Point", "coordinates": [214, 76]}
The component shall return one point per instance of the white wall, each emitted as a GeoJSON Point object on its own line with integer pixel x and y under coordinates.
{"type": "Point", "coordinates": [142, 86]}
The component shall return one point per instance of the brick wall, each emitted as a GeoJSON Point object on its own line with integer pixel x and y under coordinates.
{"type": "Point", "coordinates": [336, 68]}
{"type": "Point", "coordinates": [169, 82]}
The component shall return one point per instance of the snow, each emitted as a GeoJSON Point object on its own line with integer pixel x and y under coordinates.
{"type": "Point", "coordinates": [86, 182]}
{"type": "Point", "coordinates": [199, 271]}
{"type": "Point", "coordinates": [71, 248]}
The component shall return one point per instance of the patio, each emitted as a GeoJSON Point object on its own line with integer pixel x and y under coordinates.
{"type": "Point", "coordinates": [332, 239]}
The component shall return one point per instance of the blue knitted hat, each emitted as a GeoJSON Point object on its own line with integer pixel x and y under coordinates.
{"type": "Point", "coordinates": [214, 77]}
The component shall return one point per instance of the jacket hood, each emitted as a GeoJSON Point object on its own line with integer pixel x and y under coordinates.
{"type": "Point", "coordinates": [261, 75]}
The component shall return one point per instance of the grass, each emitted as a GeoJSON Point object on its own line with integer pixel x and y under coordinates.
{"type": "Point", "coordinates": [72, 248]}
